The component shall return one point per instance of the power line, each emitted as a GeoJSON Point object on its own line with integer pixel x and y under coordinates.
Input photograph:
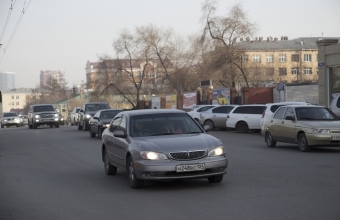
{"type": "Point", "coordinates": [7, 19]}
{"type": "Point", "coordinates": [15, 29]}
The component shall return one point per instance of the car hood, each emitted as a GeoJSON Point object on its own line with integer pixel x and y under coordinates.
{"type": "Point", "coordinates": [319, 124]}
{"type": "Point", "coordinates": [180, 142]}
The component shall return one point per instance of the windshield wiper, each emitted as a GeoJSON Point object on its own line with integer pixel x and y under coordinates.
{"type": "Point", "coordinates": [162, 134]}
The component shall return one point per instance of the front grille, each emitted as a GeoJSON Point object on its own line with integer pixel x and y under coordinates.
{"type": "Point", "coordinates": [46, 115]}
{"type": "Point", "coordinates": [187, 155]}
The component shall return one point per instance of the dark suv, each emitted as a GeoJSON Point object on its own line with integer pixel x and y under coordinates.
{"type": "Point", "coordinates": [42, 114]}
{"type": "Point", "coordinates": [87, 111]}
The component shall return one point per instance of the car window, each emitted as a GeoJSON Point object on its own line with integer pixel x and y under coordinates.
{"type": "Point", "coordinates": [279, 113]}
{"type": "Point", "coordinates": [273, 108]}
{"type": "Point", "coordinates": [77, 110]}
{"type": "Point", "coordinates": [109, 114]}
{"type": "Point", "coordinates": [317, 113]}
{"type": "Point", "coordinates": [10, 114]}
{"type": "Point", "coordinates": [255, 110]}
{"type": "Point", "coordinates": [219, 110]}
{"type": "Point", "coordinates": [240, 110]}
{"type": "Point", "coordinates": [204, 108]}
{"type": "Point", "coordinates": [289, 112]}
{"type": "Point", "coordinates": [114, 124]}
{"type": "Point", "coordinates": [97, 114]}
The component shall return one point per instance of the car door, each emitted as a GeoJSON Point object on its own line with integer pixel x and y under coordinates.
{"type": "Point", "coordinates": [219, 116]}
{"type": "Point", "coordinates": [94, 122]}
{"type": "Point", "coordinates": [120, 144]}
{"type": "Point", "coordinates": [287, 126]}
{"type": "Point", "coordinates": [274, 124]}
{"type": "Point", "coordinates": [109, 141]}
{"type": "Point", "coordinates": [253, 116]}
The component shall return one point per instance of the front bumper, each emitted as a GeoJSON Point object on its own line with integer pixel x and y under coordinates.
{"type": "Point", "coordinates": [323, 139]}
{"type": "Point", "coordinates": [162, 170]}
{"type": "Point", "coordinates": [42, 121]}
{"type": "Point", "coordinates": [10, 123]}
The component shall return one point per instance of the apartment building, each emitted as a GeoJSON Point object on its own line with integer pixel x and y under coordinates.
{"type": "Point", "coordinates": [47, 76]}
{"type": "Point", "coordinates": [7, 81]}
{"type": "Point", "coordinates": [14, 100]}
{"type": "Point", "coordinates": [282, 60]}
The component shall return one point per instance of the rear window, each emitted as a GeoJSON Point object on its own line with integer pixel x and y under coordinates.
{"type": "Point", "coordinates": [274, 108]}
{"type": "Point", "coordinates": [257, 110]}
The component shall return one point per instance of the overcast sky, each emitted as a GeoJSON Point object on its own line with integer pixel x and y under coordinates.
{"type": "Point", "coordinates": [65, 34]}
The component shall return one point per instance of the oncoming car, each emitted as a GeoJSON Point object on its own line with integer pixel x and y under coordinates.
{"type": "Point", "coordinates": [10, 119]}
{"type": "Point", "coordinates": [305, 125]}
{"type": "Point", "coordinates": [161, 145]}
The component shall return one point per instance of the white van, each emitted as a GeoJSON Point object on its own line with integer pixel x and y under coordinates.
{"type": "Point", "coordinates": [335, 104]}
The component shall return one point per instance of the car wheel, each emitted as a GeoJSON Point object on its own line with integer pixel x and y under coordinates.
{"type": "Point", "coordinates": [91, 133]}
{"type": "Point", "coordinates": [2, 126]}
{"type": "Point", "coordinates": [216, 179]}
{"type": "Point", "coordinates": [242, 127]}
{"type": "Point", "coordinates": [34, 125]}
{"type": "Point", "coordinates": [109, 169]}
{"type": "Point", "coordinates": [134, 182]}
{"type": "Point", "coordinates": [303, 144]}
{"type": "Point", "coordinates": [210, 123]}
{"type": "Point", "coordinates": [86, 126]}
{"type": "Point", "coordinates": [80, 127]}
{"type": "Point", "coordinates": [99, 133]}
{"type": "Point", "coordinates": [51, 126]}
{"type": "Point", "coordinates": [269, 140]}
{"type": "Point", "coordinates": [56, 125]}
{"type": "Point", "coordinates": [18, 125]}
{"type": "Point", "coordinates": [30, 126]}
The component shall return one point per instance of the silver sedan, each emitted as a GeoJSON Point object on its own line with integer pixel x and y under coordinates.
{"type": "Point", "coordinates": [161, 145]}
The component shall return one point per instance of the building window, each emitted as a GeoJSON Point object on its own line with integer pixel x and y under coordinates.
{"type": "Point", "coordinates": [282, 71]}
{"type": "Point", "coordinates": [17, 103]}
{"type": "Point", "coordinates": [245, 59]}
{"type": "Point", "coordinates": [12, 96]}
{"type": "Point", "coordinates": [308, 71]}
{"type": "Point", "coordinates": [295, 58]}
{"type": "Point", "coordinates": [295, 71]}
{"type": "Point", "coordinates": [269, 58]}
{"type": "Point", "coordinates": [257, 58]}
{"type": "Point", "coordinates": [282, 58]}
{"type": "Point", "coordinates": [269, 71]}
{"type": "Point", "coordinates": [17, 97]}
{"type": "Point", "coordinates": [307, 57]}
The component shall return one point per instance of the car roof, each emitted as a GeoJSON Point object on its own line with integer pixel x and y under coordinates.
{"type": "Point", "coordinates": [308, 106]}
{"type": "Point", "coordinates": [251, 105]}
{"type": "Point", "coordinates": [152, 111]}
{"type": "Point", "coordinates": [41, 104]}
{"type": "Point", "coordinates": [285, 103]}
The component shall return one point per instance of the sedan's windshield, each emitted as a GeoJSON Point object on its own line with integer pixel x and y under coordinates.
{"type": "Point", "coordinates": [163, 124]}
{"type": "Point", "coordinates": [96, 107]}
{"type": "Point", "coordinates": [10, 114]}
{"type": "Point", "coordinates": [316, 113]}
{"type": "Point", "coordinates": [43, 108]}
{"type": "Point", "coordinates": [109, 114]}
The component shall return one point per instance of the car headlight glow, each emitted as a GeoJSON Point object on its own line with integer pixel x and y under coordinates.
{"type": "Point", "coordinates": [37, 116]}
{"type": "Point", "coordinates": [88, 116]}
{"type": "Point", "coordinates": [322, 131]}
{"type": "Point", "coordinates": [56, 115]}
{"type": "Point", "coordinates": [150, 155]}
{"type": "Point", "coordinates": [218, 151]}
{"type": "Point", "coordinates": [107, 125]}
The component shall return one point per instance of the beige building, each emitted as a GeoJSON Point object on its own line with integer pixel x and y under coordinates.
{"type": "Point", "coordinates": [14, 100]}
{"type": "Point", "coordinates": [287, 61]}
{"type": "Point", "coordinates": [329, 69]}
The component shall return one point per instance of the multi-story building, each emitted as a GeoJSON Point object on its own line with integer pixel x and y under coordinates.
{"type": "Point", "coordinates": [47, 76]}
{"type": "Point", "coordinates": [14, 100]}
{"type": "Point", "coordinates": [287, 61]}
{"type": "Point", "coordinates": [7, 81]}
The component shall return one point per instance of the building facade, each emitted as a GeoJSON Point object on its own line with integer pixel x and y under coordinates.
{"type": "Point", "coordinates": [47, 76]}
{"type": "Point", "coordinates": [7, 81]}
{"type": "Point", "coordinates": [329, 69]}
{"type": "Point", "coordinates": [14, 100]}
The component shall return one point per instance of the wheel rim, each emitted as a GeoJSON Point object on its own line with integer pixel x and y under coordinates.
{"type": "Point", "coordinates": [269, 139]}
{"type": "Point", "coordinates": [241, 127]}
{"type": "Point", "coordinates": [209, 123]}
{"type": "Point", "coordinates": [131, 172]}
{"type": "Point", "coordinates": [303, 143]}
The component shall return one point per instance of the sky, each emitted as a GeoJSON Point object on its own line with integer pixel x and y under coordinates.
{"type": "Point", "coordinates": [64, 34]}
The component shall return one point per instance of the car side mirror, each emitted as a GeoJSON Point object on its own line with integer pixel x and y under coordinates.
{"type": "Point", "coordinates": [289, 117]}
{"type": "Point", "coordinates": [119, 134]}
{"type": "Point", "coordinates": [96, 118]}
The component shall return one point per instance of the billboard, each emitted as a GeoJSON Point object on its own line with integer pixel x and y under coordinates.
{"type": "Point", "coordinates": [155, 102]}
{"type": "Point", "coordinates": [189, 100]}
{"type": "Point", "coordinates": [221, 96]}
{"type": "Point", "coordinates": [171, 101]}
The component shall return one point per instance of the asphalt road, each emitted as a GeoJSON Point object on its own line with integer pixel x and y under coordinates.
{"type": "Point", "coordinates": [51, 173]}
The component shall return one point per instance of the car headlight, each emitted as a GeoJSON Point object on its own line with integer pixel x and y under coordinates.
{"type": "Point", "coordinates": [107, 125]}
{"type": "Point", "coordinates": [56, 115]}
{"type": "Point", "coordinates": [322, 131]}
{"type": "Point", "coordinates": [150, 155]}
{"type": "Point", "coordinates": [37, 116]}
{"type": "Point", "coordinates": [218, 151]}
{"type": "Point", "coordinates": [88, 116]}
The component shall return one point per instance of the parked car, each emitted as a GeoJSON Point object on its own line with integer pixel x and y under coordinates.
{"type": "Point", "coordinates": [272, 107]}
{"type": "Point", "coordinates": [61, 120]}
{"type": "Point", "coordinates": [102, 120]}
{"type": "Point", "coordinates": [10, 119]}
{"type": "Point", "coordinates": [305, 125]}
{"type": "Point", "coordinates": [216, 116]}
{"type": "Point", "coordinates": [87, 111]}
{"type": "Point", "coordinates": [24, 120]}
{"type": "Point", "coordinates": [245, 117]}
{"type": "Point", "coordinates": [42, 114]}
{"type": "Point", "coordinates": [335, 104]}
{"type": "Point", "coordinates": [74, 116]}
{"type": "Point", "coordinates": [138, 142]}
{"type": "Point", "coordinates": [197, 109]}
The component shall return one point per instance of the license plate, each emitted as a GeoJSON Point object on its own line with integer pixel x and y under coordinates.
{"type": "Point", "coordinates": [335, 137]}
{"type": "Point", "coordinates": [191, 167]}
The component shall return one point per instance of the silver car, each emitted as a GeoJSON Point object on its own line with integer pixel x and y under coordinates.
{"type": "Point", "coordinates": [216, 117]}
{"type": "Point", "coordinates": [161, 145]}
{"type": "Point", "coordinates": [10, 119]}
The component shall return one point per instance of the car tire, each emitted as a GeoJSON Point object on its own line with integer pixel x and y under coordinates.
{"type": "Point", "coordinates": [269, 140]}
{"type": "Point", "coordinates": [86, 126]}
{"type": "Point", "coordinates": [242, 127]}
{"type": "Point", "coordinates": [2, 126]}
{"type": "Point", "coordinates": [210, 123]}
{"type": "Point", "coordinates": [99, 133]}
{"type": "Point", "coordinates": [134, 182]}
{"type": "Point", "coordinates": [34, 125]}
{"type": "Point", "coordinates": [56, 125]}
{"type": "Point", "coordinates": [51, 126]}
{"type": "Point", "coordinates": [303, 143]}
{"type": "Point", "coordinates": [80, 127]}
{"type": "Point", "coordinates": [30, 126]}
{"type": "Point", "coordinates": [216, 179]}
{"type": "Point", "coordinates": [91, 133]}
{"type": "Point", "coordinates": [109, 169]}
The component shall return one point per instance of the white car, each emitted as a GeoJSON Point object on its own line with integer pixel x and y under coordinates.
{"type": "Point", "coordinates": [216, 117]}
{"type": "Point", "coordinates": [245, 117]}
{"type": "Point", "coordinates": [196, 111]}
{"type": "Point", "coordinates": [335, 104]}
{"type": "Point", "coordinates": [271, 108]}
